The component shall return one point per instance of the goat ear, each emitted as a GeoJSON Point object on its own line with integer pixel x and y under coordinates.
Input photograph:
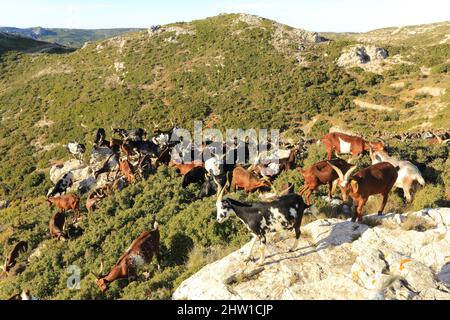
{"type": "Point", "coordinates": [354, 185]}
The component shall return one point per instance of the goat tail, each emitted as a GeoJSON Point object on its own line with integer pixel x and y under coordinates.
{"type": "Point", "coordinates": [420, 180]}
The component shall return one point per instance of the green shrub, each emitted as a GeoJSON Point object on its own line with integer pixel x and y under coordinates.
{"type": "Point", "coordinates": [428, 197]}
{"type": "Point", "coordinates": [372, 79]}
{"type": "Point", "coordinates": [440, 69]}
{"type": "Point", "coordinates": [402, 69]}
{"type": "Point", "coordinates": [420, 96]}
{"type": "Point", "coordinates": [319, 129]}
{"type": "Point", "coordinates": [391, 116]}
{"type": "Point", "coordinates": [316, 153]}
{"type": "Point", "coordinates": [34, 179]}
{"type": "Point", "coordinates": [409, 104]}
{"type": "Point", "coordinates": [395, 203]}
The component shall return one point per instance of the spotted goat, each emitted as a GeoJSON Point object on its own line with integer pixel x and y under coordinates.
{"type": "Point", "coordinates": [285, 213]}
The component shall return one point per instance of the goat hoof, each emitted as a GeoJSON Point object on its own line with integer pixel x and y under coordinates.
{"type": "Point", "coordinates": [248, 260]}
{"type": "Point", "coordinates": [380, 214]}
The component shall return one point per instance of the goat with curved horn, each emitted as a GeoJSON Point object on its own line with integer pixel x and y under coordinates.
{"type": "Point", "coordinates": [343, 178]}
{"type": "Point", "coordinates": [220, 190]}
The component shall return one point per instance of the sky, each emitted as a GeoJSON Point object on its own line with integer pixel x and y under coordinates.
{"type": "Point", "coordinates": [314, 15]}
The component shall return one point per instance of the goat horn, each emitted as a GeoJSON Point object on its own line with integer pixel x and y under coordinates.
{"type": "Point", "coordinates": [222, 190]}
{"type": "Point", "coordinates": [219, 187]}
{"type": "Point", "coordinates": [338, 171]}
{"type": "Point", "coordinates": [349, 172]}
{"type": "Point", "coordinates": [101, 268]}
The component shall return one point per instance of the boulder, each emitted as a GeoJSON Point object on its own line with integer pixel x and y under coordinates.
{"type": "Point", "coordinates": [83, 174]}
{"type": "Point", "coordinates": [367, 57]}
{"type": "Point", "coordinates": [338, 259]}
{"type": "Point", "coordinates": [4, 204]}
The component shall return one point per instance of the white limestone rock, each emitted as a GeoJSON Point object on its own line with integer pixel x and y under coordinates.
{"type": "Point", "coordinates": [338, 259]}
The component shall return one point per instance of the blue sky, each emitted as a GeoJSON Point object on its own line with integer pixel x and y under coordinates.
{"type": "Point", "coordinates": [316, 15]}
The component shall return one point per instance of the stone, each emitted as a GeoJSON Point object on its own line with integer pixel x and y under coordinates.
{"type": "Point", "coordinates": [337, 259]}
{"type": "Point", "coordinates": [4, 204]}
{"type": "Point", "coordinates": [82, 173]}
{"type": "Point", "coordinates": [367, 57]}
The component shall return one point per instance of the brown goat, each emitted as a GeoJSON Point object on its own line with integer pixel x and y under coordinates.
{"type": "Point", "coordinates": [376, 179]}
{"type": "Point", "coordinates": [65, 203]}
{"type": "Point", "coordinates": [246, 180]}
{"type": "Point", "coordinates": [97, 195]}
{"type": "Point", "coordinates": [288, 163]}
{"type": "Point", "coordinates": [321, 173]}
{"type": "Point", "coordinates": [184, 168]}
{"type": "Point", "coordinates": [343, 143]}
{"type": "Point", "coordinates": [56, 226]}
{"type": "Point", "coordinates": [11, 260]}
{"type": "Point", "coordinates": [124, 147]}
{"type": "Point", "coordinates": [139, 253]}
{"type": "Point", "coordinates": [127, 170]}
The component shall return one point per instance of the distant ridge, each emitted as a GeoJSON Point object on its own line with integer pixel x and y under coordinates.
{"type": "Point", "coordinates": [68, 37]}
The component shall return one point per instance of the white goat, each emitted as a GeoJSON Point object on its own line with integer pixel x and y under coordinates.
{"type": "Point", "coordinates": [407, 174]}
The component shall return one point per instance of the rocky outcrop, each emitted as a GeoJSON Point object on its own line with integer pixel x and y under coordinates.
{"type": "Point", "coordinates": [432, 91]}
{"type": "Point", "coordinates": [367, 57]}
{"type": "Point", "coordinates": [283, 37]}
{"type": "Point", "coordinates": [83, 174]}
{"type": "Point", "coordinates": [397, 256]}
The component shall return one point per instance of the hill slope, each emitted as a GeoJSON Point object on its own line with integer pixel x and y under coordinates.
{"type": "Point", "coordinates": [10, 42]}
{"type": "Point", "coordinates": [419, 35]}
{"type": "Point", "coordinates": [74, 38]}
{"type": "Point", "coordinates": [230, 71]}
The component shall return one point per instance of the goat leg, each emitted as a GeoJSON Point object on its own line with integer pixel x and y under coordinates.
{"type": "Point", "coordinates": [262, 249]}
{"type": "Point", "coordinates": [305, 187]}
{"type": "Point", "coordinates": [297, 236]}
{"type": "Point", "coordinates": [383, 203]}
{"type": "Point", "coordinates": [307, 195]}
{"type": "Point", "coordinates": [359, 209]}
{"type": "Point", "coordinates": [330, 189]}
{"type": "Point", "coordinates": [249, 257]}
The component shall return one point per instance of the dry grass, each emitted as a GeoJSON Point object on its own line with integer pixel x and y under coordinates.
{"type": "Point", "coordinates": [417, 223]}
{"type": "Point", "coordinates": [200, 256]}
{"type": "Point", "coordinates": [372, 222]}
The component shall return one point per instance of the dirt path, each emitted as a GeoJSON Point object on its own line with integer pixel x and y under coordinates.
{"type": "Point", "coordinates": [367, 105]}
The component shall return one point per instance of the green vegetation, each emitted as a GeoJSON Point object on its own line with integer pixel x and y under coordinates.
{"type": "Point", "coordinates": [74, 38]}
{"type": "Point", "coordinates": [17, 43]}
{"type": "Point", "coordinates": [227, 74]}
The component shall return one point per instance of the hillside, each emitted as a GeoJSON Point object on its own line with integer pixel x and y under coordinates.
{"type": "Point", "coordinates": [10, 42]}
{"type": "Point", "coordinates": [74, 38]}
{"type": "Point", "coordinates": [419, 35]}
{"type": "Point", "coordinates": [230, 71]}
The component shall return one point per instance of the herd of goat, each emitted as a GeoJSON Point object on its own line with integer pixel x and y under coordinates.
{"type": "Point", "coordinates": [137, 158]}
